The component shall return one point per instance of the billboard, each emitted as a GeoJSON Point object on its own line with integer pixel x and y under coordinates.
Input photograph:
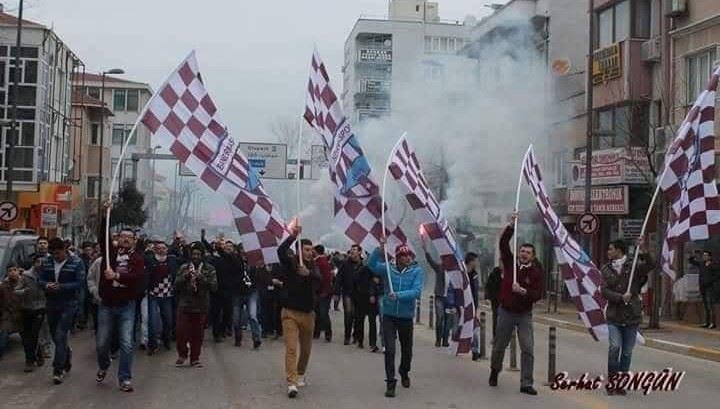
{"type": "Point", "coordinates": [603, 200]}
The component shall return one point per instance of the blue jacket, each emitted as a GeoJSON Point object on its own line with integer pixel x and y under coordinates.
{"type": "Point", "coordinates": [70, 279]}
{"type": "Point", "coordinates": [407, 285]}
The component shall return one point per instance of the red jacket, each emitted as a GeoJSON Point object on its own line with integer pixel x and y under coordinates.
{"type": "Point", "coordinates": [326, 281]}
{"type": "Point", "coordinates": [130, 280]}
{"type": "Point", "coordinates": [530, 278]}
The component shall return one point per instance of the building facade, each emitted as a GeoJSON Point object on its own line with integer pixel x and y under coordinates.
{"type": "Point", "coordinates": [41, 154]}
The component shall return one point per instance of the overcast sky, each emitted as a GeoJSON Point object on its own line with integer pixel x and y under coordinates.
{"type": "Point", "coordinates": [254, 54]}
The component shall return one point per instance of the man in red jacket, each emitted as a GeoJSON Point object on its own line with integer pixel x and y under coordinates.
{"type": "Point", "coordinates": [515, 311]}
{"type": "Point", "coordinates": [118, 290]}
{"type": "Point", "coordinates": [324, 294]}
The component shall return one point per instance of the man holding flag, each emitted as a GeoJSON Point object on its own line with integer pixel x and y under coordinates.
{"type": "Point", "coordinates": [517, 297]}
{"type": "Point", "coordinates": [398, 307]}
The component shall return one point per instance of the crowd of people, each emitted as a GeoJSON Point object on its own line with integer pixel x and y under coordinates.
{"type": "Point", "coordinates": [150, 293]}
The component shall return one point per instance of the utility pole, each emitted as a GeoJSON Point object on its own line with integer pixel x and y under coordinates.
{"type": "Point", "coordinates": [586, 238]}
{"type": "Point", "coordinates": [14, 134]}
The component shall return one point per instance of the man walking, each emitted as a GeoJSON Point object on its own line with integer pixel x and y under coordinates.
{"type": "Point", "coordinates": [60, 276]}
{"type": "Point", "coordinates": [344, 285]}
{"type": "Point", "coordinates": [624, 309]}
{"type": "Point", "coordinates": [398, 309]}
{"type": "Point", "coordinates": [244, 296]}
{"type": "Point", "coordinates": [297, 314]}
{"type": "Point", "coordinates": [324, 295]}
{"type": "Point", "coordinates": [364, 299]}
{"type": "Point", "coordinates": [193, 285]}
{"type": "Point", "coordinates": [161, 269]}
{"type": "Point", "coordinates": [32, 297]}
{"type": "Point", "coordinates": [118, 289]}
{"type": "Point", "coordinates": [515, 311]}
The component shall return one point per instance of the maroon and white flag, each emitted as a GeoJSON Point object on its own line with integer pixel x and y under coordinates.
{"type": "Point", "coordinates": [184, 119]}
{"type": "Point", "coordinates": [405, 168]}
{"type": "Point", "coordinates": [688, 180]}
{"type": "Point", "coordinates": [358, 205]}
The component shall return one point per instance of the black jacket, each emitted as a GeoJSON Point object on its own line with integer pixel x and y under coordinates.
{"type": "Point", "coordinates": [492, 286]}
{"type": "Point", "coordinates": [345, 278]}
{"type": "Point", "coordinates": [299, 290]}
{"type": "Point", "coordinates": [615, 285]}
{"type": "Point", "coordinates": [364, 287]}
{"type": "Point", "coordinates": [708, 274]}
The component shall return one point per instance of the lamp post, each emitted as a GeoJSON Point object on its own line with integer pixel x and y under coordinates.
{"type": "Point", "coordinates": [152, 190]}
{"type": "Point", "coordinates": [102, 139]}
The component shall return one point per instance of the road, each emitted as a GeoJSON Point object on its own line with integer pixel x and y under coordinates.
{"type": "Point", "coordinates": [344, 376]}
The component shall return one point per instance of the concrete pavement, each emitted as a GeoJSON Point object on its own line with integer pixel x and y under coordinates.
{"type": "Point", "coordinates": [343, 376]}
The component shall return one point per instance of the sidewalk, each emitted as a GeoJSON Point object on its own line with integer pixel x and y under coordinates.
{"type": "Point", "coordinates": [672, 336]}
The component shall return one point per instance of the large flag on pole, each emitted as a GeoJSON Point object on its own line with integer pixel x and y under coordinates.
{"type": "Point", "coordinates": [405, 168]}
{"type": "Point", "coordinates": [358, 203]}
{"type": "Point", "coordinates": [581, 277]}
{"type": "Point", "coordinates": [688, 180]}
{"type": "Point", "coordinates": [184, 119]}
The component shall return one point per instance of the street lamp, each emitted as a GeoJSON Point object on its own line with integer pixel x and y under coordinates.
{"type": "Point", "coordinates": [152, 190]}
{"type": "Point", "coordinates": [114, 71]}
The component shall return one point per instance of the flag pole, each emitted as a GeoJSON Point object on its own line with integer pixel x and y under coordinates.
{"type": "Point", "coordinates": [644, 226]}
{"type": "Point", "coordinates": [517, 206]}
{"type": "Point", "coordinates": [121, 158]}
{"type": "Point", "coordinates": [382, 208]}
{"type": "Point", "coordinates": [297, 187]}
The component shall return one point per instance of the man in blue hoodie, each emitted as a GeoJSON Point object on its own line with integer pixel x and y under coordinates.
{"type": "Point", "coordinates": [398, 308]}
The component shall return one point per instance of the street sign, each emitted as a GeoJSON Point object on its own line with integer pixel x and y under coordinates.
{"type": "Point", "coordinates": [588, 223]}
{"type": "Point", "coordinates": [629, 229]}
{"type": "Point", "coordinates": [48, 216]}
{"type": "Point", "coordinates": [8, 212]}
{"type": "Point", "coordinates": [268, 159]}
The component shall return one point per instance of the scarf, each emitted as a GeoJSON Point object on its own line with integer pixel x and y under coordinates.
{"type": "Point", "coordinates": [617, 264]}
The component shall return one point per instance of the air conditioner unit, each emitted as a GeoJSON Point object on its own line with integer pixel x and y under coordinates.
{"type": "Point", "coordinates": [676, 8]}
{"type": "Point", "coordinates": [651, 49]}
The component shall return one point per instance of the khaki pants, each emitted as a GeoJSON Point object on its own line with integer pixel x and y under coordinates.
{"type": "Point", "coordinates": [297, 327]}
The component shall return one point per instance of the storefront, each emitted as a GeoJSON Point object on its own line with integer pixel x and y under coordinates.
{"type": "Point", "coordinates": [49, 211]}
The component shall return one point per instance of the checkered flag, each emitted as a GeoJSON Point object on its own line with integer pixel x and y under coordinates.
{"type": "Point", "coordinates": [358, 210]}
{"type": "Point", "coordinates": [689, 178]}
{"type": "Point", "coordinates": [405, 168]}
{"type": "Point", "coordinates": [184, 119]}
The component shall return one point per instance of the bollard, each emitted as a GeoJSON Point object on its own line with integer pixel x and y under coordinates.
{"type": "Point", "coordinates": [417, 310]}
{"type": "Point", "coordinates": [482, 351]}
{"type": "Point", "coordinates": [431, 316]}
{"type": "Point", "coordinates": [552, 354]}
{"type": "Point", "coordinates": [513, 351]}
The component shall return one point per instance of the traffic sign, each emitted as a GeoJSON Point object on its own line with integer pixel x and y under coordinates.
{"type": "Point", "coordinates": [588, 223]}
{"type": "Point", "coordinates": [268, 159]}
{"type": "Point", "coordinates": [48, 216]}
{"type": "Point", "coordinates": [8, 212]}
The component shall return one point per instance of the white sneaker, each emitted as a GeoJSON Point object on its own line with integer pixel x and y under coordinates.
{"type": "Point", "coordinates": [292, 391]}
{"type": "Point", "coordinates": [302, 382]}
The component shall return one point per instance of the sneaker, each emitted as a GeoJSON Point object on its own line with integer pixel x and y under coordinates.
{"type": "Point", "coordinates": [405, 381]}
{"type": "Point", "coordinates": [705, 325]}
{"type": "Point", "coordinates": [57, 378]}
{"type": "Point", "coordinates": [390, 391]}
{"type": "Point", "coordinates": [100, 376]}
{"type": "Point", "coordinates": [374, 349]}
{"type": "Point", "coordinates": [531, 391]}
{"type": "Point", "coordinates": [445, 344]}
{"type": "Point", "coordinates": [292, 391]}
{"type": "Point", "coordinates": [29, 367]}
{"type": "Point", "coordinates": [475, 356]}
{"type": "Point", "coordinates": [126, 386]}
{"type": "Point", "coordinates": [180, 362]}
{"type": "Point", "coordinates": [196, 364]}
{"type": "Point", "coordinates": [493, 381]}
{"type": "Point", "coordinates": [256, 344]}
{"type": "Point", "coordinates": [712, 326]}
{"type": "Point", "coordinates": [302, 382]}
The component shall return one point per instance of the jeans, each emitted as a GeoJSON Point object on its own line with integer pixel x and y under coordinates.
{"type": "Point", "coordinates": [622, 342]}
{"type": "Point", "coordinates": [190, 329]}
{"type": "Point", "coordinates": [32, 321]}
{"type": "Point", "coordinates": [370, 311]}
{"type": "Point", "coordinates": [270, 313]}
{"type": "Point", "coordinates": [707, 299]}
{"type": "Point", "coordinates": [60, 320]}
{"type": "Point", "coordinates": [221, 313]}
{"type": "Point", "coordinates": [506, 324]}
{"type": "Point", "coordinates": [322, 317]}
{"type": "Point", "coordinates": [249, 301]}
{"type": "Point", "coordinates": [451, 322]}
{"type": "Point", "coordinates": [349, 314]}
{"type": "Point", "coordinates": [441, 328]}
{"type": "Point", "coordinates": [397, 328]}
{"type": "Point", "coordinates": [160, 317]}
{"type": "Point", "coordinates": [116, 322]}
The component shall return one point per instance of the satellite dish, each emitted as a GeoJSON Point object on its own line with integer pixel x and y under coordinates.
{"type": "Point", "coordinates": [561, 66]}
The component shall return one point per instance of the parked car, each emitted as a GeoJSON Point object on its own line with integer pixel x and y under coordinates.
{"type": "Point", "coordinates": [16, 246]}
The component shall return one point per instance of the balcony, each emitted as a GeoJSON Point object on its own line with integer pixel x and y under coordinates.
{"type": "Point", "coordinates": [620, 74]}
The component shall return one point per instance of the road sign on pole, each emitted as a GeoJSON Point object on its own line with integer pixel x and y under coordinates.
{"type": "Point", "coordinates": [268, 159]}
{"type": "Point", "coordinates": [588, 223]}
{"type": "Point", "coordinates": [8, 212]}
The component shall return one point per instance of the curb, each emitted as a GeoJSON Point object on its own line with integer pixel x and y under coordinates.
{"type": "Point", "coordinates": [659, 344]}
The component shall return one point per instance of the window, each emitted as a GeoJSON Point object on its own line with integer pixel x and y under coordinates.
{"type": "Point", "coordinates": [132, 100]}
{"type": "Point", "coordinates": [560, 168]}
{"type": "Point", "coordinates": [26, 95]}
{"type": "Point", "coordinates": [119, 99]}
{"type": "Point", "coordinates": [93, 92]}
{"type": "Point", "coordinates": [699, 69]}
{"type": "Point", "coordinates": [2, 75]}
{"type": "Point", "coordinates": [642, 18]}
{"type": "Point", "coordinates": [118, 135]}
{"type": "Point", "coordinates": [128, 170]}
{"type": "Point", "coordinates": [91, 190]}
{"type": "Point", "coordinates": [613, 24]}
{"type": "Point", "coordinates": [622, 126]}
{"type": "Point", "coordinates": [30, 72]}
{"type": "Point", "coordinates": [94, 134]}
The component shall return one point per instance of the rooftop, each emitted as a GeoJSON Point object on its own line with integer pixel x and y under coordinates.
{"type": "Point", "coordinates": [10, 20]}
{"type": "Point", "coordinates": [78, 78]}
